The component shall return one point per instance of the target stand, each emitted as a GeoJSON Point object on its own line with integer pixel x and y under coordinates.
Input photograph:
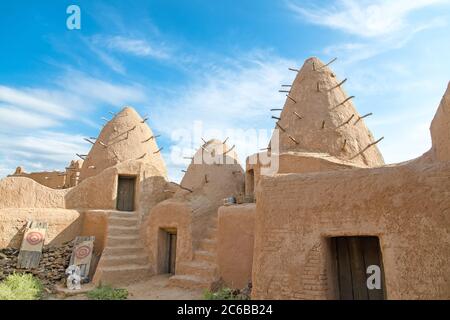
{"type": "Point", "coordinates": [32, 244]}
{"type": "Point", "coordinates": [82, 256]}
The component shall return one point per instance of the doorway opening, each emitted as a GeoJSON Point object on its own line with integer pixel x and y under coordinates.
{"type": "Point", "coordinates": [358, 266]}
{"type": "Point", "coordinates": [169, 250]}
{"type": "Point", "coordinates": [125, 193]}
{"type": "Point", "coordinates": [250, 183]}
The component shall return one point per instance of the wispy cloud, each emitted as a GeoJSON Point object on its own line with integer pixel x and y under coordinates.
{"type": "Point", "coordinates": [366, 18]}
{"type": "Point", "coordinates": [73, 97]}
{"type": "Point", "coordinates": [137, 47]}
{"type": "Point", "coordinates": [224, 98]}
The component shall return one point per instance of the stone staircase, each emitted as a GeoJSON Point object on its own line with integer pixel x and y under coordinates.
{"type": "Point", "coordinates": [124, 259]}
{"type": "Point", "coordinates": [202, 271]}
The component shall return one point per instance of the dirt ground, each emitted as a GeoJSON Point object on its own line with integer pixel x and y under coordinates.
{"type": "Point", "coordinates": [155, 288]}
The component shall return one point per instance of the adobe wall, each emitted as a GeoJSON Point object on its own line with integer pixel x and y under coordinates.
{"type": "Point", "coordinates": [407, 206]}
{"type": "Point", "coordinates": [54, 179]}
{"type": "Point", "coordinates": [440, 128]}
{"type": "Point", "coordinates": [95, 223]}
{"type": "Point", "coordinates": [169, 214]}
{"type": "Point", "coordinates": [63, 225]}
{"type": "Point", "coordinates": [21, 192]}
{"type": "Point", "coordinates": [292, 162]}
{"type": "Point", "coordinates": [235, 244]}
{"type": "Point", "coordinates": [100, 191]}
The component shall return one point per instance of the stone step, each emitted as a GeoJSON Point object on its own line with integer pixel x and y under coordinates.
{"type": "Point", "coordinates": [122, 241]}
{"type": "Point", "coordinates": [122, 231]}
{"type": "Point", "coordinates": [123, 250]}
{"type": "Point", "coordinates": [208, 245]}
{"type": "Point", "coordinates": [123, 222]}
{"type": "Point", "coordinates": [120, 260]}
{"type": "Point", "coordinates": [122, 214]}
{"type": "Point", "coordinates": [197, 268]}
{"type": "Point", "coordinates": [206, 256]}
{"type": "Point", "coordinates": [190, 282]}
{"type": "Point", "coordinates": [124, 274]}
{"type": "Point", "coordinates": [211, 233]}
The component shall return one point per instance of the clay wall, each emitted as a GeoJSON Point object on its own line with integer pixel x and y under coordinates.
{"type": "Point", "coordinates": [406, 206]}
{"type": "Point", "coordinates": [235, 244]}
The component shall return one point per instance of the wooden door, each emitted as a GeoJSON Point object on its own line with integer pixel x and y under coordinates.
{"type": "Point", "coordinates": [172, 252]}
{"type": "Point", "coordinates": [353, 256]}
{"type": "Point", "coordinates": [125, 193]}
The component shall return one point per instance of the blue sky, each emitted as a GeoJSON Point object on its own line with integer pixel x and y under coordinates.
{"type": "Point", "coordinates": [220, 62]}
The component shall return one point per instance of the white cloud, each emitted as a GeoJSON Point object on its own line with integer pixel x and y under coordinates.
{"type": "Point", "coordinates": [32, 99]}
{"type": "Point", "coordinates": [74, 98]}
{"type": "Point", "coordinates": [139, 47]}
{"type": "Point", "coordinates": [234, 95]}
{"type": "Point", "coordinates": [367, 18]}
{"type": "Point", "coordinates": [12, 118]}
{"type": "Point", "coordinates": [44, 150]}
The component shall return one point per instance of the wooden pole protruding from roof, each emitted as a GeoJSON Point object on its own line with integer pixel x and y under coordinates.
{"type": "Point", "coordinates": [326, 65]}
{"type": "Point", "coordinates": [102, 144]}
{"type": "Point", "coordinates": [286, 85]}
{"type": "Point", "coordinates": [284, 91]}
{"type": "Point", "coordinates": [293, 139]}
{"type": "Point", "coordinates": [226, 152]}
{"type": "Point", "coordinates": [291, 98]}
{"type": "Point", "coordinates": [142, 157]}
{"type": "Point", "coordinates": [225, 141]}
{"type": "Point", "coordinates": [295, 70]}
{"type": "Point", "coordinates": [279, 126]}
{"type": "Point", "coordinates": [347, 121]}
{"type": "Point", "coordinates": [362, 117]}
{"type": "Point", "coordinates": [278, 109]}
{"type": "Point", "coordinates": [152, 137]}
{"type": "Point", "coordinates": [144, 120]}
{"type": "Point", "coordinates": [159, 150]}
{"type": "Point", "coordinates": [86, 139]}
{"type": "Point", "coordinates": [297, 115]}
{"type": "Point", "coordinates": [368, 146]}
{"type": "Point", "coordinates": [81, 156]}
{"type": "Point", "coordinates": [277, 118]}
{"type": "Point", "coordinates": [338, 85]}
{"type": "Point", "coordinates": [343, 102]}
{"type": "Point", "coordinates": [184, 188]}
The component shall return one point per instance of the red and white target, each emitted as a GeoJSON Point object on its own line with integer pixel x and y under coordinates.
{"type": "Point", "coordinates": [83, 252]}
{"type": "Point", "coordinates": [34, 238]}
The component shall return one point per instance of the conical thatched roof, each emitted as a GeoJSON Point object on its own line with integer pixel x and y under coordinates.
{"type": "Point", "coordinates": [125, 137]}
{"type": "Point", "coordinates": [318, 116]}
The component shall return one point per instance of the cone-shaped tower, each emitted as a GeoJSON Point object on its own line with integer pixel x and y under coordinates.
{"type": "Point", "coordinates": [440, 127]}
{"type": "Point", "coordinates": [125, 137]}
{"type": "Point", "coordinates": [318, 116]}
{"type": "Point", "coordinates": [215, 170]}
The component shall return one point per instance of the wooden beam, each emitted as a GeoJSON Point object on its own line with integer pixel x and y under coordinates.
{"type": "Point", "coordinates": [368, 146]}
{"type": "Point", "coordinates": [340, 104]}
{"type": "Point", "coordinates": [364, 116]}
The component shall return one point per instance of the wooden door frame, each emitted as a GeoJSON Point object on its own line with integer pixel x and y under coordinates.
{"type": "Point", "coordinates": [333, 255]}
{"type": "Point", "coordinates": [125, 177]}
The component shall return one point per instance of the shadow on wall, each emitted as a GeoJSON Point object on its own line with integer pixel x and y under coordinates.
{"type": "Point", "coordinates": [57, 233]}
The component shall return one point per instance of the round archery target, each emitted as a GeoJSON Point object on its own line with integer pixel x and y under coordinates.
{"type": "Point", "coordinates": [82, 252]}
{"type": "Point", "coordinates": [34, 238]}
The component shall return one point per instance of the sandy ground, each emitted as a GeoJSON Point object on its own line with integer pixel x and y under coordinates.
{"type": "Point", "coordinates": [153, 289]}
